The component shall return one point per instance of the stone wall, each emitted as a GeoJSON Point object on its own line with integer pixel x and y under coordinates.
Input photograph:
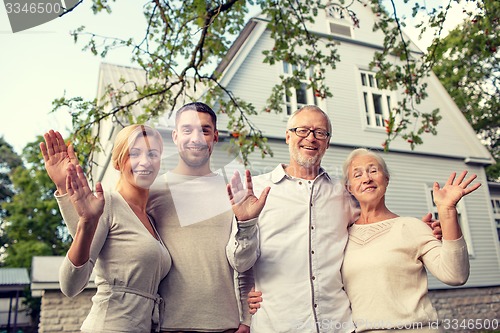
{"type": "Point", "coordinates": [460, 310]}
{"type": "Point", "coordinates": [468, 309]}
{"type": "Point", "coordinates": [62, 314]}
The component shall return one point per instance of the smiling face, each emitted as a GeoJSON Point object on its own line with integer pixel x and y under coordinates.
{"type": "Point", "coordinates": [367, 179]}
{"type": "Point", "coordinates": [142, 165]}
{"type": "Point", "coordinates": [195, 136]}
{"type": "Point", "coordinates": [307, 152]}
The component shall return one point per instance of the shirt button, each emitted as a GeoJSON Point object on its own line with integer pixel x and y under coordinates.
{"type": "Point", "coordinates": [312, 227]}
{"type": "Point", "coordinates": [314, 278]}
{"type": "Point", "coordinates": [300, 183]}
{"type": "Point", "coordinates": [312, 252]}
{"type": "Point", "coordinates": [315, 305]}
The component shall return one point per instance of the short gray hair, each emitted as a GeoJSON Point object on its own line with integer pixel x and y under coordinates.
{"type": "Point", "coordinates": [362, 152]}
{"type": "Point", "coordinates": [312, 108]}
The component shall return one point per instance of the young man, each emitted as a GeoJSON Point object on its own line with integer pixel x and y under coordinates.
{"type": "Point", "coordinates": [194, 218]}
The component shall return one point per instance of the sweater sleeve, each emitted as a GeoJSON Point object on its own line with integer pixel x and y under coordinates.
{"type": "Point", "coordinates": [448, 260]}
{"type": "Point", "coordinates": [245, 284]}
{"type": "Point", "coordinates": [242, 249]}
{"type": "Point", "coordinates": [68, 212]}
{"type": "Point", "coordinates": [73, 279]}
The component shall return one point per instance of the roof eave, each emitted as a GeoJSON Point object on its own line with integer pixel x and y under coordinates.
{"type": "Point", "coordinates": [235, 47]}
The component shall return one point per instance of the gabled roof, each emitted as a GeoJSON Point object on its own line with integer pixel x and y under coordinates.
{"type": "Point", "coordinates": [128, 79]}
{"type": "Point", "coordinates": [249, 35]}
{"type": "Point", "coordinates": [13, 279]}
{"type": "Point", "coordinates": [235, 47]}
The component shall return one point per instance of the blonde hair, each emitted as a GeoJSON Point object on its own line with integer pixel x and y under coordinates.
{"type": "Point", "coordinates": [126, 139]}
{"type": "Point", "coordinates": [362, 152]}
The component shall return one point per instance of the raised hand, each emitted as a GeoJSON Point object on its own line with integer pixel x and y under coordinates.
{"type": "Point", "coordinates": [88, 206]}
{"type": "Point", "coordinates": [57, 157]}
{"type": "Point", "coordinates": [453, 190]}
{"type": "Point", "coordinates": [245, 204]}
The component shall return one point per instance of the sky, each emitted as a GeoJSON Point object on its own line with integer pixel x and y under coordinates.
{"type": "Point", "coordinates": [43, 63]}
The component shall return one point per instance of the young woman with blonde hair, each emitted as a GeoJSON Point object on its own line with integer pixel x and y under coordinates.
{"type": "Point", "coordinates": [112, 234]}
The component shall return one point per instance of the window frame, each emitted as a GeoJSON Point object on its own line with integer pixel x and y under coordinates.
{"type": "Point", "coordinates": [290, 103]}
{"type": "Point", "coordinates": [374, 115]}
{"type": "Point", "coordinates": [495, 205]}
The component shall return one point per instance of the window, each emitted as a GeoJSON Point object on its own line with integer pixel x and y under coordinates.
{"type": "Point", "coordinates": [495, 203]}
{"type": "Point", "coordinates": [299, 97]}
{"type": "Point", "coordinates": [339, 20]}
{"type": "Point", "coordinates": [377, 103]}
{"type": "Point", "coordinates": [462, 217]}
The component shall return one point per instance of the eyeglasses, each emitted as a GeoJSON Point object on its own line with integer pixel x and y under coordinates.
{"type": "Point", "coordinates": [303, 132]}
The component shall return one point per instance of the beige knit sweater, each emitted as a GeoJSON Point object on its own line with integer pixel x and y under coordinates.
{"type": "Point", "coordinates": [384, 272]}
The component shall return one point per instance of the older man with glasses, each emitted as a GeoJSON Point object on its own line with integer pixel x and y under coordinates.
{"type": "Point", "coordinates": [296, 244]}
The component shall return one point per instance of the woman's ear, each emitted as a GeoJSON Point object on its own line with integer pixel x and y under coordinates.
{"type": "Point", "coordinates": [348, 188]}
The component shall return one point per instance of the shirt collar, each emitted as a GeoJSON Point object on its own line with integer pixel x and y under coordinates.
{"type": "Point", "coordinates": [279, 173]}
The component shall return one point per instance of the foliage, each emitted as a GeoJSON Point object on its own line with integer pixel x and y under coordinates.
{"type": "Point", "coordinates": [34, 305]}
{"type": "Point", "coordinates": [183, 40]}
{"type": "Point", "coordinates": [9, 160]}
{"type": "Point", "coordinates": [407, 120]}
{"type": "Point", "coordinates": [32, 224]}
{"type": "Point", "coordinates": [468, 65]}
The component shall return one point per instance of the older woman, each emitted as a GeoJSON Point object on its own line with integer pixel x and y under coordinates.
{"type": "Point", "coordinates": [112, 233]}
{"type": "Point", "coordinates": [386, 258]}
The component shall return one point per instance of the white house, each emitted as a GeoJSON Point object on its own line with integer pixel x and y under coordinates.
{"type": "Point", "coordinates": [355, 113]}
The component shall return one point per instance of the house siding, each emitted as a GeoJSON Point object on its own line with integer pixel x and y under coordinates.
{"type": "Point", "coordinates": [254, 82]}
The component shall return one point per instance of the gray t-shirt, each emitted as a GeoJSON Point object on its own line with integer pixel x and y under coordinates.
{"type": "Point", "coordinates": [194, 217]}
